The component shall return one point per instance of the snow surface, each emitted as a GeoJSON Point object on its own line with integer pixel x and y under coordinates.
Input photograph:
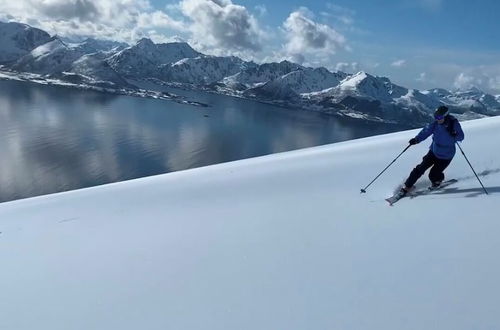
{"type": "Point", "coordinates": [284, 241]}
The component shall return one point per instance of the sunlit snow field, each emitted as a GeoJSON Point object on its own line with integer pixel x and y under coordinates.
{"type": "Point", "coordinates": [284, 241]}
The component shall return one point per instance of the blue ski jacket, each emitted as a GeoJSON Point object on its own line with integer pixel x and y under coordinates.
{"type": "Point", "coordinates": [443, 142]}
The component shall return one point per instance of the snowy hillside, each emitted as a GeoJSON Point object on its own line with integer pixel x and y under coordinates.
{"type": "Point", "coordinates": [93, 69]}
{"type": "Point", "coordinates": [364, 85]}
{"type": "Point", "coordinates": [375, 98]}
{"type": "Point", "coordinates": [51, 57]}
{"type": "Point", "coordinates": [311, 79]}
{"type": "Point", "coordinates": [144, 58]}
{"type": "Point", "coordinates": [17, 40]}
{"type": "Point", "coordinates": [414, 99]}
{"type": "Point", "coordinates": [254, 75]}
{"type": "Point", "coordinates": [202, 70]}
{"type": "Point", "coordinates": [278, 242]}
{"type": "Point", "coordinates": [301, 80]}
{"type": "Point", "coordinates": [473, 100]}
{"type": "Point", "coordinates": [89, 46]}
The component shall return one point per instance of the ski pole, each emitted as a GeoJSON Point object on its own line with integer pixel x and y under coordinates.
{"type": "Point", "coordinates": [472, 168]}
{"type": "Point", "coordinates": [364, 190]}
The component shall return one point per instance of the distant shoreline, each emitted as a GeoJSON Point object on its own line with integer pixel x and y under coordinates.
{"type": "Point", "coordinates": [38, 79]}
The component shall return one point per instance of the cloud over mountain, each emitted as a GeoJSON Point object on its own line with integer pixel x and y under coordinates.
{"type": "Point", "coordinates": [398, 63]}
{"type": "Point", "coordinates": [220, 23]}
{"type": "Point", "coordinates": [124, 20]}
{"type": "Point", "coordinates": [464, 81]}
{"type": "Point", "coordinates": [304, 35]}
{"type": "Point", "coordinates": [84, 10]}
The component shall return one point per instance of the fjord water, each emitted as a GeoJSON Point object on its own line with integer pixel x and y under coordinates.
{"type": "Point", "coordinates": [55, 139]}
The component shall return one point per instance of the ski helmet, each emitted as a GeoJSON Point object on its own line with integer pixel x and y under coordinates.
{"type": "Point", "coordinates": [441, 112]}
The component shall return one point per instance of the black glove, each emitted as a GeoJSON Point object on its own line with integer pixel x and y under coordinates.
{"type": "Point", "coordinates": [413, 141]}
{"type": "Point", "coordinates": [454, 133]}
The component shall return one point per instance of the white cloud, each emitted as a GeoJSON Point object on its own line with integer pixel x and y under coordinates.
{"type": "Point", "coordinates": [347, 67]}
{"type": "Point", "coordinates": [222, 24]}
{"type": "Point", "coordinates": [398, 63]}
{"type": "Point", "coordinates": [305, 36]}
{"type": "Point", "coordinates": [159, 19]}
{"type": "Point", "coordinates": [214, 26]}
{"type": "Point", "coordinates": [122, 20]}
{"type": "Point", "coordinates": [422, 77]}
{"type": "Point", "coordinates": [494, 83]}
{"type": "Point", "coordinates": [465, 81]}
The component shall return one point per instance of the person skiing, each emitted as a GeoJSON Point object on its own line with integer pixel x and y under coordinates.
{"type": "Point", "coordinates": [445, 131]}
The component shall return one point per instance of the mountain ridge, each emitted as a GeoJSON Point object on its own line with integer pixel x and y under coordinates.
{"type": "Point", "coordinates": [359, 95]}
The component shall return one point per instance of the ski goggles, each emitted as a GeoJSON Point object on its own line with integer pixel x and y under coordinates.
{"type": "Point", "coordinates": [439, 117]}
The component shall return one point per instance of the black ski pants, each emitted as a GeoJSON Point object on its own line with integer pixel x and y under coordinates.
{"type": "Point", "coordinates": [436, 173]}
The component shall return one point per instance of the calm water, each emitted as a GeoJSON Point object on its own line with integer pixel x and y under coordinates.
{"type": "Point", "coordinates": [55, 139]}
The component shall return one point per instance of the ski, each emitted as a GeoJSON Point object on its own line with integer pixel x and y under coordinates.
{"type": "Point", "coordinates": [397, 196]}
{"type": "Point", "coordinates": [431, 189]}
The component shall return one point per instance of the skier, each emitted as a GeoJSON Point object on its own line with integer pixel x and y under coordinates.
{"type": "Point", "coordinates": [445, 131]}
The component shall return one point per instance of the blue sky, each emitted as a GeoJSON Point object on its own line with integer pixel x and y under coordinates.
{"type": "Point", "coordinates": [416, 43]}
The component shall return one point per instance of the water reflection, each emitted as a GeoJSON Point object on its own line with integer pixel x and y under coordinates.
{"type": "Point", "coordinates": [54, 139]}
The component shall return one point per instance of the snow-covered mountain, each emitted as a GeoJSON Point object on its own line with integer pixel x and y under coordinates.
{"type": "Point", "coordinates": [17, 40]}
{"type": "Point", "coordinates": [145, 58]}
{"type": "Point", "coordinates": [360, 95]}
{"type": "Point", "coordinates": [202, 70]}
{"type": "Point", "coordinates": [301, 80]}
{"type": "Point", "coordinates": [253, 75]}
{"type": "Point", "coordinates": [371, 97]}
{"type": "Point", "coordinates": [90, 45]}
{"type": "Point", "coordinates": [308, 80]}
{"type": "Point", "coordinates": [365, 85]}
{"type": "Point", "coordinates": [273, 90]}
{"type": "Point", "coordinates": [439, 93]}
{"type": "Point", "coordinates": [471, 100]}
{"type": "Point", "coordinates": [50, 58]}
{"type": "Point", "coordinates": [93, 69]}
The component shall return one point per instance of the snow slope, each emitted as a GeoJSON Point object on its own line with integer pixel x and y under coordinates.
{"type": "Point", "coordinates": [201, 70]}
{"type": "Point", "coordinates": [17, 40]}
{"type": "Point", "coordinates": [284, 241]}
{"type": "Point", "coordinates": [144, 58]}
{"type": "Point", "coordinates": [253, 75]}
{"type": "Point", "coordinates": [90, 45]}
{"type": "Point", "coordinates": [472, 99]}
{"type": "Point", "coordinates": [49, 58]}
{"type": "Point", "coordinates": [362, 95]}
{"type": "Point", "coordinates": [93, 69]}
{"type": "Point", "coordinates": [301, 80]}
